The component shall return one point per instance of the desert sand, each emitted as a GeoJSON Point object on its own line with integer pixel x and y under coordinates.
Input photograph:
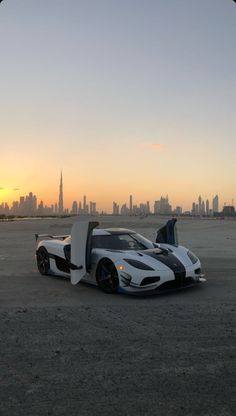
{"type": "Point", "coordinates": [74, 350]}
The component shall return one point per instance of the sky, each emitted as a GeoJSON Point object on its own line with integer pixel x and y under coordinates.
{"type": "Point", "coordinates": [125, 97]}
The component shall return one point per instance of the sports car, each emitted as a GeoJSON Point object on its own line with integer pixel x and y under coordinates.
{"type": "Point", "coordinates": [118, 259]}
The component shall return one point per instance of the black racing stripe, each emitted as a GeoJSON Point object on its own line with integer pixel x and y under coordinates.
{"type": "Point", "coordinates": [171, 261]}
{"type": "Point", "coordinates": [62, 264]}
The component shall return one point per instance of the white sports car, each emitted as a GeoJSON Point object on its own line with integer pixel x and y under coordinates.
{"type": "Point", "coordinates": [119, 260]}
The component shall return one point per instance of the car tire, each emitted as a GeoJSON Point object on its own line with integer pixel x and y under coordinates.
{"type": "Point", "coordinates": [43, 261]}
{"type": "Point", "coordinates": [107, 276]}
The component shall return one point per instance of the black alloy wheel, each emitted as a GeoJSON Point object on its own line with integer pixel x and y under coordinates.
{"type": "Point", "coordinates": [43, 261]}
{"type": "Point", "coordinates": [107, 276]}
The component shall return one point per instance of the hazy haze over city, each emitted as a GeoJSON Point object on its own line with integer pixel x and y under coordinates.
{"type": "Point", "coordinates": [126, 97]}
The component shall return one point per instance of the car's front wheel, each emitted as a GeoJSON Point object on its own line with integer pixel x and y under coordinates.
{"type": "Point", "coordinates": [43, 261]}
{"type": "Point", "coordinates": [107, 276]}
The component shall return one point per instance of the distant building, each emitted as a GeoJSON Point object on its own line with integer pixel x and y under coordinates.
{"type": "Point", "coordinates": [203, 211]}
{"type": "Point", "coordinates": [41, 208]}
{"type": "Point", "coordinates": [215, 204]}
{"type": "Point", "coordinates": [193, 212]}
{"type": "Point", "coordinates": [92, 208]}
{"type": "Point", "coordinates": [178, 211]}
{"type": "Point", "coordinates": [131, 204]}
{"type": "Point", "coordinates": [6, 209]}
{"type": "Point", "coordinates": [228, 211]}
{"type": "Point", "coordinates": [115, 209]}
{"type": "Point", "coordinates": [74, 208]}
{"type": "Point", "coordinates": [124, 210]}
{"type": "Point", "coordinates": [60, 201]}
{"type": "Point", "coordinates": [200, 204]}
{"type": "Point", "coordinates": [162, 206]}
{"type": "Point", "coordinates": [143, 209]}
{"type": "Point", "coordinates": [203, 208]}
{"type": "Point", "coordinates": [85, 206]}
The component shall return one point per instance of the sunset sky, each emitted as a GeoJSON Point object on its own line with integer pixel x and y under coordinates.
{"type": "Point", "coordinates": [123, 96]}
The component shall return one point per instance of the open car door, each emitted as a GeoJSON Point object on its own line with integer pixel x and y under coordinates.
{"type": "Point", "coordinates": [81, 246]}
{"type": "Point", "coordinates": [168, 233]}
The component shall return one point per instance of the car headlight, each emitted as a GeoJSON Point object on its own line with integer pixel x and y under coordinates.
{"type": "Point", "coordinates": [192, 257]}
{"type": "Point", "coordinates": [138, 264]}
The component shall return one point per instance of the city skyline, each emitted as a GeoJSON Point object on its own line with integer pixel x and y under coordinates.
{"type": "Point", "coordinates": [124, 97]}
{"type": "Point", "coordinates": [129, 201]}
{"type": "Point", "coordinates": [28, 205]}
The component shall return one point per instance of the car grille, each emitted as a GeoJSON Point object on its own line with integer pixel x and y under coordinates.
{"type": "Point", "coordinates": [149, 280]}
{"type": "Point", "coordinates": [181, 281]}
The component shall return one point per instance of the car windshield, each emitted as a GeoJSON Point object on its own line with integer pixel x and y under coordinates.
{"type": "Point", "coordinates": [121, 242]}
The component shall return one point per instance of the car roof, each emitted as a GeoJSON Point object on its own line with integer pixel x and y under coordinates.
{"type": "Point", "coordinates": [112, 231]}
{"type": "Point", "coordinates": [105, 231]}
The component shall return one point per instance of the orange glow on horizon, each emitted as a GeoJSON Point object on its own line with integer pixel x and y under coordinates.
{"type": "Point", "coordinates": [8, 195]}
{"type": "Point", "coordinates": [144, 173]}
{"type": "Point", "coordinates": [104, 198]}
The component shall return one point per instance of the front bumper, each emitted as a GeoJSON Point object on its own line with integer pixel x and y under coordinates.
{"type": "Point", "coordinates": [167, 286]}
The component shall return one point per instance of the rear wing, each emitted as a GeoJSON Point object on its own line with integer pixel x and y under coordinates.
{"type": "Point", "coordinates": [57, 237]}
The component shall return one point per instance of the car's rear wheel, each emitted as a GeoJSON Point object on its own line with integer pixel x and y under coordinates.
{"type": "Point", "coordinates": [43, 261]}
{"type": "Point", "coordinates": [107, 276]}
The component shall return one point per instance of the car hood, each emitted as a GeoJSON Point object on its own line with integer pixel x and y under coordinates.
{"type": "Point", "coordinates": [155, 258]}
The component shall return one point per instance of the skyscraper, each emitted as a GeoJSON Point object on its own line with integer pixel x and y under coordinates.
{"type": "Point", "coordinates": [74, 208]}
{"type": "Point", "coordinates": [116, 208]}
{"type": "Point", "coordinates": [215, 204]}
{"type": "Point", "coordinates": [60, 202]}
{"type": "Point", "coordinates": [200, 204]}
{"type": "Point", "coordinates": [84, 203]}
{"type": "Point", "coordinates": [130, 204]}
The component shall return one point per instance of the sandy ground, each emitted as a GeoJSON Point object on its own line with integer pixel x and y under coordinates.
{"type": "Point", "coordinates": [68, 350]}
